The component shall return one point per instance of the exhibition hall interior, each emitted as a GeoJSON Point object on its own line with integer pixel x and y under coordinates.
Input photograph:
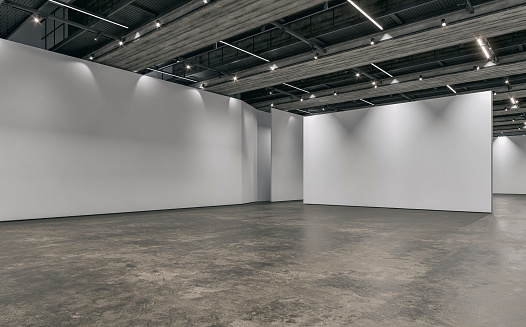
{"type": "Point", "coordinates": [262, 163]}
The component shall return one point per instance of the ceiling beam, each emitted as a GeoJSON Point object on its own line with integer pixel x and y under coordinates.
{"type": "Point", "coordinates": [298, 36]}
{"type": "Point", "coordinates": [490, 20]}
{"type": "Point", "coordinates": [197, 28]}
{"type": "Point", "coordinates": [449, 73]}
{"type": "Point", "coordinates": [411, 86]}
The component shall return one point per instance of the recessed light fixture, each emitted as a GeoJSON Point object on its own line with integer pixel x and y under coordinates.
{"type": "Point", "coordinates": [452, 89]}
{"type": "Point", "coordinates": [365, 14]}
{"type": "Point", "coordinates": [381, 70]}
{"type": "Point", "coordinates": [173, 75]}
{"type": "Point", "coordinates": [297, 88]}
{"type": "Point", "coordinates": [443, 22]}
{"type": "Point", "coordinates": [245, 51]}
{"type": "Point", "coordinates": [86, 12]}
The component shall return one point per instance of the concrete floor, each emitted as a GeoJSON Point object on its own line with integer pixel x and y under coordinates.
{"type": "Point", "coordinates": [282, 264]}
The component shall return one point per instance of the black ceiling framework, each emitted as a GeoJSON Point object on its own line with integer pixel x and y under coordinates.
{"type": "Point", "coordinates": [308, 31]}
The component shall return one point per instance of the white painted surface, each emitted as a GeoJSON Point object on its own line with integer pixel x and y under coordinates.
{"type": "Point", "coordinates": [419, 155]}
{"type": "Point", "coordinates": [80, 138]}
{"type": "Point", "coordinates": [287, 156]}
{"type": "Point", "coordinates": [509, 165]}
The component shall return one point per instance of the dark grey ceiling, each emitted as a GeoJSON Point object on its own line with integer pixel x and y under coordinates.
{"type": "Point", "coordinates": [419, 46]}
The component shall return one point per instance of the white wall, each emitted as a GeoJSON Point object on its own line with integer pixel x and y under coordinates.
{"type": "Point", "coordinates": [287, 156]}
{"type": "Point", "coordinates": [433, 154]}
{"type": "Point", "coordinates": [80, 138]}
{"type": "Point", "coordinates": [509, 165]}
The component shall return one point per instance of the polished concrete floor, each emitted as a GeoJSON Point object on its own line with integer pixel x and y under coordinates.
{"type": "Point", "coordinates": [282, 264]}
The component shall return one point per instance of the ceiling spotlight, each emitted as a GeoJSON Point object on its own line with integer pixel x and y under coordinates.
{"type": "Point", "coordinates": [444, 24]}
{"type": "Point", "coordinates": [273, 67]}
{"type": "Point", "coordinates": [513, 101]}
{"type": "Point", "coordinates": [323, 109]}
{"type": "Point", "coordinates": [121, 42]}
{"type": "Point", "coordinates": [301, 99]}
{"type": "Point", "coordinates": [188, 66]}
{"type": "Point", "coordinates": [476, 67]}
{"type": "Point", "coordinates": [376, 86]}
{"type": "Point", "coordinates": [372, 41]}
{"type": "Point", "coordinates": [507, 81]}
{"type": "Point", "coordinates": [270, 92]}
{"type": "Point", "coordinates": [494, 93]}
{"type": "Point", "coordinates": [91, 56]}
{"type": "Point", "coordinates": [205, 1]}
{"type": "Point", "coordinates": [272, 105]}
{"type": "Point", "coordinates": [335, 93]}
{"type": "Point", "coordinates": [96, 38]}
{"type": "Point", "coordinates": [36, 19]}
{"type": "Point", "coordinates": [365, 14]}
{"type": "Point", "coordinates": [357, 74]}
{"type": "Point", "coordinates": [235, 78]}
{"type": "Point", "coordinates": [316, 56]}
{"type": "Point", "coordinates": [374, 83]}
{"type": "Point", "coordinates": [158, 24]}
{"type": "Point", "coordinates": [420, 77]}
{"type": "Point", "coordinates": [202, 86]}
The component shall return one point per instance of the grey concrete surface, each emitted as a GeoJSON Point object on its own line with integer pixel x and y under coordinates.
{"type": "Point", "coordinates": [281, 264]}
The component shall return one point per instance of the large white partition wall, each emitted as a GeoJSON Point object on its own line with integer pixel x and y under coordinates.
{"type": "Point", "coordinates": [433, 154]}
{"type": "Point", "coordinates": [287, 156]}
{"type": "Point", "coordinates": [509, 165]}
{"type": "Point", "coordinates": [80, 138]}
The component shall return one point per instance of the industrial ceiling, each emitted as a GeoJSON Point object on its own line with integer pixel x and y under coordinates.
{"type": "Point", "coordinates": [307, 57]}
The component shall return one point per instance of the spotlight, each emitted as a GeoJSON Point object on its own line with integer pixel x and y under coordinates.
{"type": "Point", "coordinates": [158, 24]}
{"type": "Point", "coordinates": [376, 86]}
{"type": "Point", "coordinates": [444, 24]}
{"type": "Point", "coordinates": [420, 77]}
{"type": "Point", "coordinates": [202, 86]}
{"type": "Point", "coordinates": [96, 38]}
{"type": "Point", "coordinates": [121, 42]}
{"type": "Point", "coordinates": [272, 105]}
{"type": "Point", "coordinates": [323, 109]}
{"type": "Point", "coordinates": [188, 66]}
{"type": "Point", "coordinates": [372, 41]}
{"type": "Point", "coordinates": [316, 56]}
{"type": "Point", "coordinates": [36, 19]}
{"type": "Point", "coordinates": [357, 74]}
{"type": "Point", "coordinates": [494, 93]}
{"type": "Point", "coordinates": [270, 92]}
{"type": "Point", "coordinates": [235, 78]}
{"type": "Point", "coordinates": [301, 99]}
{"type": "Point", "coordinates": [476, 67]}
{"type": "Point", "coordinates": [205, 1]}
{"type": "Point", "coordinates": [91, 56]}
{"type": "Point", "coordinates": [507, 81]}
{"type": "Point", "coordinates": [335, 93]}
{"type": "Point", "coordinates": [374, 82]}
